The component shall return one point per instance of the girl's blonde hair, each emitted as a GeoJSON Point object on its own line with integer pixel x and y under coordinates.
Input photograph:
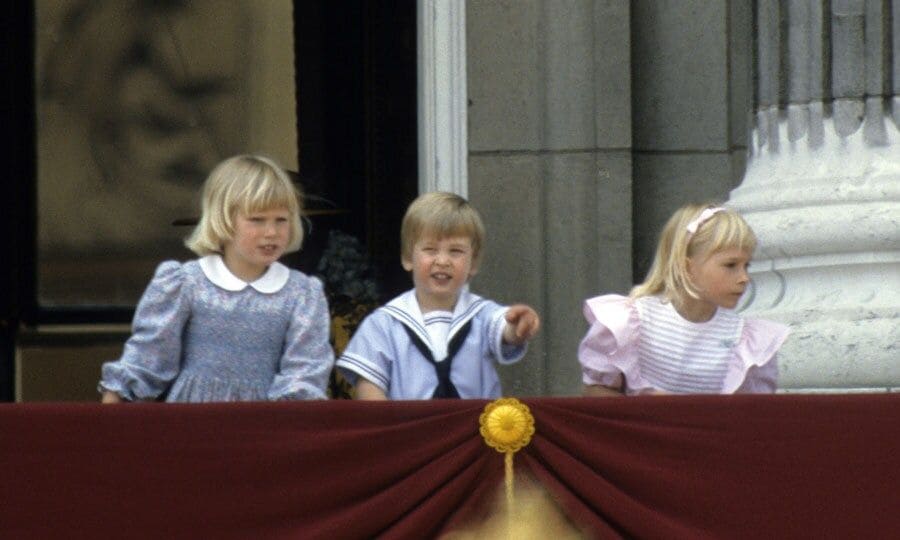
{"type": "Point", "coordinates": [244, 184]}
{"type": "Point", "coordinates": [441, 214]}
{"type": "Point", "coordinates": [668, 275]}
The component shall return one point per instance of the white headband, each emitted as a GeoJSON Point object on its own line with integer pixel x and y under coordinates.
{"type": "Point", "coordinates": [701, 219]}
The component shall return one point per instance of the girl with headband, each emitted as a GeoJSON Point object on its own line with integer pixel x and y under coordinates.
{"type": "Point", "coordinates": [677, 332]}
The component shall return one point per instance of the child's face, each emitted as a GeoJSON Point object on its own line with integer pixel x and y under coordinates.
{"type": "Point", "coordinates": [440, 268]}
{"type": "Point", "coordinates": [721, 277]}
{"type": "Point", "coordinates": [260, 239]}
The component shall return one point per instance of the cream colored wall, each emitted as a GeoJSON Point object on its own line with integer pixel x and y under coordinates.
{"type": "Point", "coordinates": [272, 105]}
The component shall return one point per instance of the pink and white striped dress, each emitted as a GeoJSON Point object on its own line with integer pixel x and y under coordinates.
{"type": "Point", "coordinates": [655, 349]}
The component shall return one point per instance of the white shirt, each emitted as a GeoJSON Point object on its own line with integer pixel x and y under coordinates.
{"type": "Point", "coordinates": [437, 323]}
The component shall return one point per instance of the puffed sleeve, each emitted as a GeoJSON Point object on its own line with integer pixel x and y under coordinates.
{"type": "Point", "coordinates": [609, 349]}
{"type": "Point", "coordinates": [755, 364]}
{"type": "Point", "coordinates": [151, 358]}
{"type": "Point", "coordinates": [367, 355]}
{"type": "Point", "coordinates": [308, 357]}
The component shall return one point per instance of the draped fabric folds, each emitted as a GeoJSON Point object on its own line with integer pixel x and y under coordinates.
{"type": "Point", "coordinates": [644, 467]}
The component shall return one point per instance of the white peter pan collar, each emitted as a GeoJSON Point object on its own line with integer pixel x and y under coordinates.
{"type": "Point", "coordinates": [272, 281]}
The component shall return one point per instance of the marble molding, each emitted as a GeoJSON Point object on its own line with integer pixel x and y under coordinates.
{"type": "Point", "coordinates": [822, 192]}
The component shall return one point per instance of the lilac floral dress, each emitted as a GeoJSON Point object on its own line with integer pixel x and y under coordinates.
{"type": "Point", "coordinates": [202, 334]}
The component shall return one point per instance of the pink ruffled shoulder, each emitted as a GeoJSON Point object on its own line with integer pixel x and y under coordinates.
{"type": "Point", "coordinates": [756, 363]}
{"type": "Point", "coordinates": [610, 347]}
{"type": "Point", "coordinates": [614, 311]}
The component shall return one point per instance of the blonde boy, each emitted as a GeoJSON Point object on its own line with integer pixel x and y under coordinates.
{"type": "Point", "coordinates": [438, 340]}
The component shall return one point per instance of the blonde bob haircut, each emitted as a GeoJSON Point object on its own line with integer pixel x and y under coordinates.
{"type": "Point", "coordinates": [243, 184]}
{"type": "Point", "coordinates": [668, 275]}
{"type": "Point", "coordinates": [441, 215]}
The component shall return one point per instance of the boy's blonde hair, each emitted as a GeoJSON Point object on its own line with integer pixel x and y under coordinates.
{"type": "Point", "coordinates": [442, 215]}
{"type": "Point", "coordinates": [668, 275]}
{"type": "Point", "coordinates": [244, 184]}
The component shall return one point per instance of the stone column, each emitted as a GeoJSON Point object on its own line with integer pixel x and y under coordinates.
{"type": "Point", "coordinates": [441, 80]}
{"type": "Point", "coordinates": [822, 189]}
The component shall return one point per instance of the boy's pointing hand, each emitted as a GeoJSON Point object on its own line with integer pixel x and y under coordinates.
{"type": "Point", "coordinates": [522, 323]}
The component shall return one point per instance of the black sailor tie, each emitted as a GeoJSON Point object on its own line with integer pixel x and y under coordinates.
{"type": "Point", "coordinates": [445, 387]}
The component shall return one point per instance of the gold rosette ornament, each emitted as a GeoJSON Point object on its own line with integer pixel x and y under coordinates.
{"type": "Point", "coordinates": [507, 427]}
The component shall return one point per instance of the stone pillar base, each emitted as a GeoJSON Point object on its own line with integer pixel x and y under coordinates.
{"type": "Point", "coordinates": [826, 208]}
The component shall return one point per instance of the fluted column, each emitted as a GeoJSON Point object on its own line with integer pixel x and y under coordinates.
{"type": "Point", "coordinates": [822, 189]}
{"type": "Point", "coordinates": [443, 149]}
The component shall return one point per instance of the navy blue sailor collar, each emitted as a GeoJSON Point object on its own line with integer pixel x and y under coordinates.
{"type": "Point", "coordinates": [405, 309]}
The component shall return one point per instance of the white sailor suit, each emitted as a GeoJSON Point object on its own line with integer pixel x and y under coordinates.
{"type": "Point", "coordinates": [394, 350]}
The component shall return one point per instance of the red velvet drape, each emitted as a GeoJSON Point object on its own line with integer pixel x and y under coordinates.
{"type": "Point", "coordinates": [649, 467]}
{"type": "Point", "coordinates": [724, 466]}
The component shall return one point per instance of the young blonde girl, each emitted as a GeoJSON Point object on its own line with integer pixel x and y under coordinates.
{"type": "Point", "coordinates": [677, 331]}
{"type": "Point", "coordinates": [235, 324]}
